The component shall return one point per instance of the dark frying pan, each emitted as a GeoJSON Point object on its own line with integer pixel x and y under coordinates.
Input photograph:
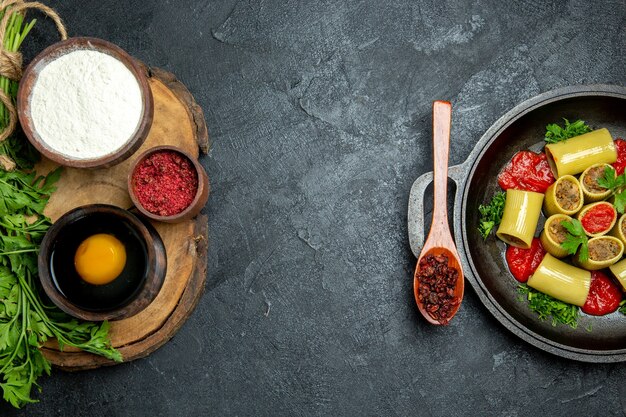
{"type": "Point", "coordinates": [483, 261]}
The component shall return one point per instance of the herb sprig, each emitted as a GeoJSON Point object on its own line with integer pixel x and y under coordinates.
{"type": "Point", "coordinates": [556, 133]}
{"type": "Point", "coordinates": [491, 214]}
{"type": "Point", "coordinates": [576, 238]}
{"type": "Point", "coordinates": [26, 321]}
{"type": "Point", "coordinates": [622, 307]}
{"type": "Point", "coordinates": [549, 307]}
{"type": "Point", "coordinates": [617, 185]}
{"type": "Point", "coordinates": [20, 151]}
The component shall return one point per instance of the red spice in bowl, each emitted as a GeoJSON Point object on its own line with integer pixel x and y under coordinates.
{"type": "Point", "coordinates": [167, 184]}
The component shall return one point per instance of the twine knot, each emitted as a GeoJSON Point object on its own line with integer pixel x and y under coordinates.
{"type": "Point", "coordinates": [11, 62]}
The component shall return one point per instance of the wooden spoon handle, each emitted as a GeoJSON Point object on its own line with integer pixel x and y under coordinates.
{"type": "Point", "coordinates": [442, 120]}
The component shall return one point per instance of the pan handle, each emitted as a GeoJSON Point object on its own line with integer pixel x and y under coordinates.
{"type": "Point", "coordinates": [415, 217]}
{"type": "Point", "coordinates": [458, 173]}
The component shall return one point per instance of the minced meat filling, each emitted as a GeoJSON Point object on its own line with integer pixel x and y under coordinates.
{"type": "Point", "coordinates": [591, 179]}
{"type": "Point", "coordinates": [557, 232]}
{"type": "Point", "coordinates": [603, 249]}
{"type": "Point", "coordinates": [567, 195]}
{"type": "Point", "coordinates": [514, 241]}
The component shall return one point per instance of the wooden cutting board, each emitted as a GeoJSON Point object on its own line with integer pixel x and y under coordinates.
{"type": "Point", "coordinates": [179, 121]}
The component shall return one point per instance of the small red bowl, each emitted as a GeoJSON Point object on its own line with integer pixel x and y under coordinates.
{"type": "Point", "coordinates": [200, 199]}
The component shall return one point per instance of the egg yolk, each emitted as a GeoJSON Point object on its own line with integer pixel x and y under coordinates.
{"type": "Point", "coordinates": [100, 259]}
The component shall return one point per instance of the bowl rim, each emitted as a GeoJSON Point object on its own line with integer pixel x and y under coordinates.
{"type": "Point", "coordinates": [146, 292]}
{"type": "Point", "coordinates": [61, 48]}
{"type": "Point", "coordinates": [199, 199]}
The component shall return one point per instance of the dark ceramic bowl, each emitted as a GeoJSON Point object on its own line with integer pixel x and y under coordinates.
{"type": "Point", "coordinates": [483, 261]}
{"type": "Point", "coordinates": [57, 50]}
{"type": "Point", "coordinates": [134, 289]}
{"type": "Point", "coordinates": [200, 199]}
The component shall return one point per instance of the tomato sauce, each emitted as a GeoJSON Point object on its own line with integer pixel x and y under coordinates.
{"type": "Point", "coordinates": [620, 164]}
{"type": "Point", "coordinates": [604, 295]}
{"type": "Point", "coordinates": [523, 262]}
{"type": "Point", "coordinates": [598, 219]}
{"type": "Point", "coordinates": [527, 171]}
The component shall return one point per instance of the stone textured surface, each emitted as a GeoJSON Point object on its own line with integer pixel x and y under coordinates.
{"type": "Point", "coordinates": [319, 112]}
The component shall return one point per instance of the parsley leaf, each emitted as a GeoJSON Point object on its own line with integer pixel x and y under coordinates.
{"type": "Point", "coordinates": [575, 237]}
{"type": "Point", "coordinates": [622, 307]}
{"type": "Point", "coordinates": [556, 133]}
{"type": "Point", "coordinates": [620, 202]}
{"type": "Point", "coordinates": [615, 183]}
{"type": "Point", "coordinates": [609, 179]}
{"type": "Point", "coordinates": [491, 214]}
{"type": "Point", "coordinates": [546, 306]}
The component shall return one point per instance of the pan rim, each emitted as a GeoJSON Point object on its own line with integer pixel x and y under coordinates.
{"type": "Point", "coordinates": [487, 299]}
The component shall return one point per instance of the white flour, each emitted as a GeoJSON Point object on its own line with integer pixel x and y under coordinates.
{"type": "Point", "coordinates": [85, 104]}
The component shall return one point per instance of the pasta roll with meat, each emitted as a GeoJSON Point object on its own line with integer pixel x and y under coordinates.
{"type": "Point", "coordinates": [619, 230]}
{"type": "Point", "coordinates": [520, 217]}
{"type": "Point", "coordinates": [574, 155]}
{"type": "Point", "coordinates": [564, 196]}
{"type": "Point", "coordinates": [554, 234]}
{"type": "Point", "coordinates": [604, 251]}
{"type": "Point", "coordinates": [561, 280]}
{"type": "Point", "coordinates": [619, 270]}
{"type": "Point", "coordinates": [593, 191]}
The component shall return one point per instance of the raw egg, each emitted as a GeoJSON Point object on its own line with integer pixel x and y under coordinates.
{"type": "Point", "coordinates": [99, 262]}
{"type": "Point", "coordinates": [100, 259]}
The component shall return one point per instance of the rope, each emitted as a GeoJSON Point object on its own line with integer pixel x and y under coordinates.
{"type": "Point", "coordinates": [11, 62]}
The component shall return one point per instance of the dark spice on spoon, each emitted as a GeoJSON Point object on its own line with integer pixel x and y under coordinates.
{"type": "Point", "coordinates": [165, 183]}
{"type": "Point", "coordinates": [437, 283]}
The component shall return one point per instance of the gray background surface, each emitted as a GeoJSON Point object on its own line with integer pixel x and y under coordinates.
{"type": "Point", "coordinates": [319, 114]}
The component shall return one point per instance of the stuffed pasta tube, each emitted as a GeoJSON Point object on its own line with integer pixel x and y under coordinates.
{"type": "Point", "coordinates": [561, 280]}
{"type": "Point", "coordinates": [520, 217]}
{"type": "Point", "coordinates": [574, 155]}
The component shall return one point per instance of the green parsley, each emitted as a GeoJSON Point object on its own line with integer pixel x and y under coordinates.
{"type": "Point", "coordinates": [556, 133]}
{"type": "Point", "coordinates": [26, 320]}
{"type": "Point", "coordinates": [491, 214]}
{"type": "Point", "coordinates": [576, 237]}
{"type": "Point", "coordinates": [617, 184]}
{"type": "Point", "coordinates": [622, 307]}
{"type": "Point", "coordinates": [609, 180]}
{"type": "Point", "coordinates": [15, 147]}
{"type": "Point", "coordinates": [546, 306]}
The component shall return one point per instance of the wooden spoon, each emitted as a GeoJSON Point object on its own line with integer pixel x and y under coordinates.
{"type": "Point", "coordinates": [439, 241]}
